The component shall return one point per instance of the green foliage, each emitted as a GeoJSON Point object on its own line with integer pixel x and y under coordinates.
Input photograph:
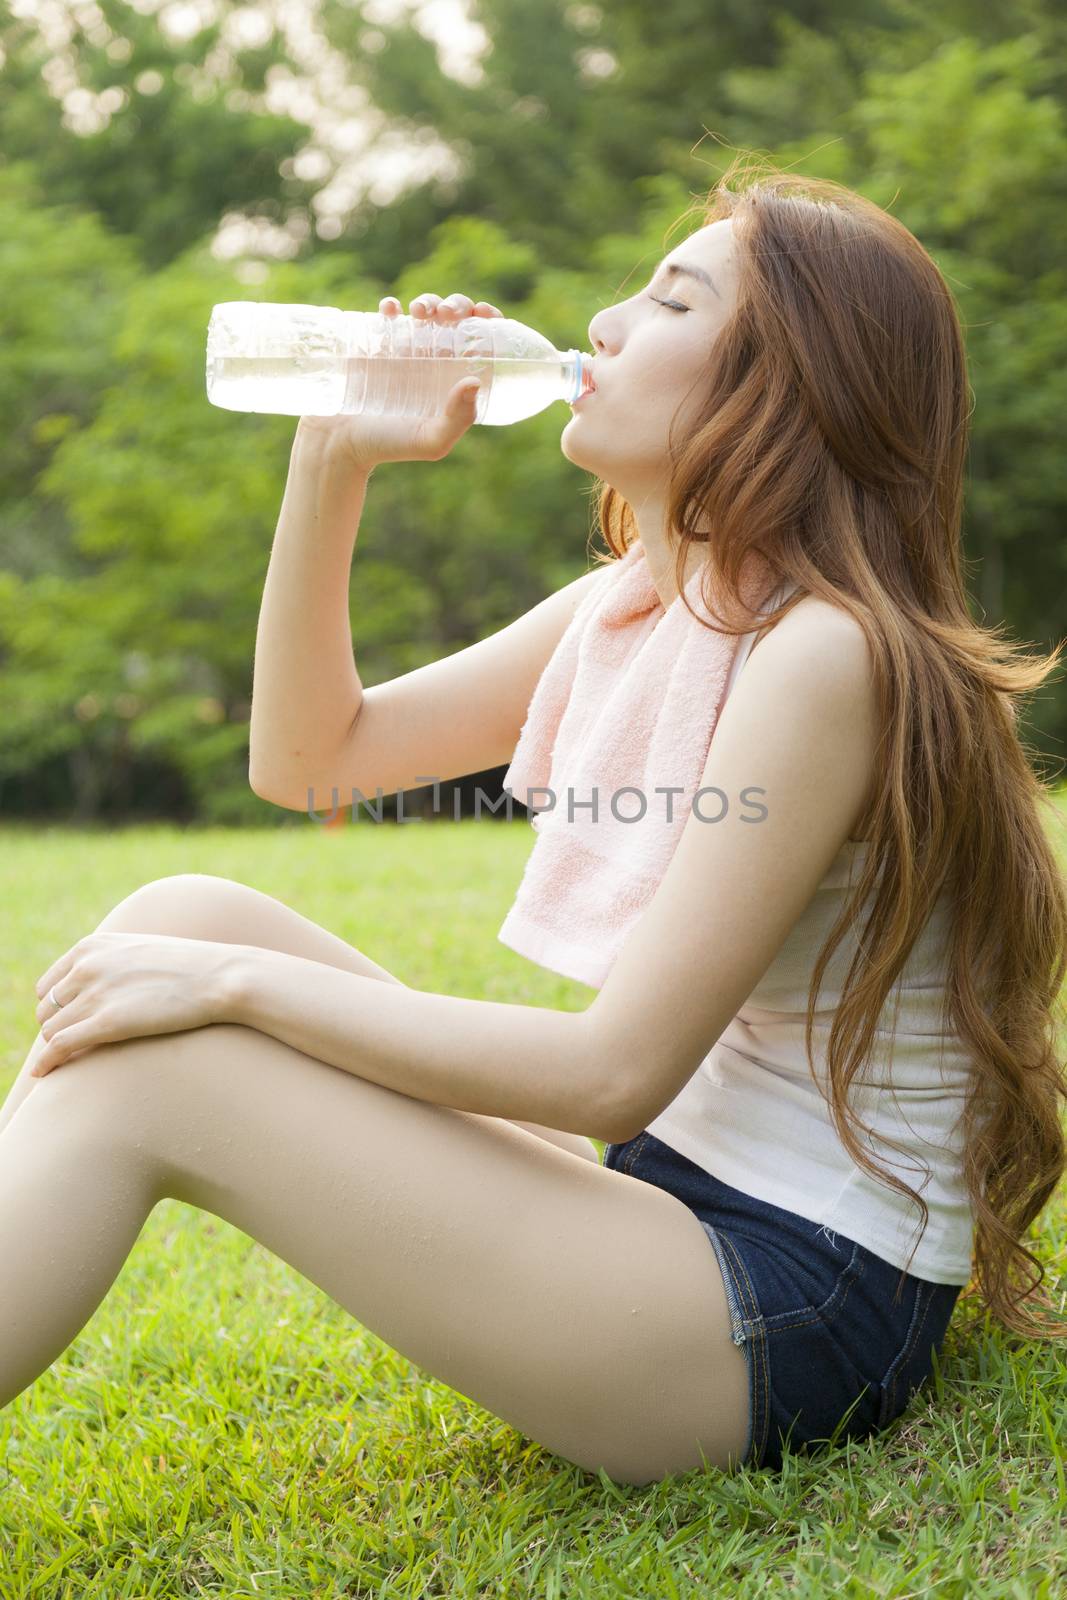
{"type": "Point", "coordinates": [189, 141]}
{"type": "Point", "coordinates": [137, 518]}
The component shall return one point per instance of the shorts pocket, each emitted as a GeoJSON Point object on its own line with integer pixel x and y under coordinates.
{"type": "Point", "coordinates": [832, 1303]}
{"type": "Point", "coordinates": [913, 1362]}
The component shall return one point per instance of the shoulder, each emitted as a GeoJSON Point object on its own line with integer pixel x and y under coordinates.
{"type": "Point", "coordinates": [811, 680]}
{"type": "Point", "coordinates": [817, 648]}
{"type": "Point", "coordinates": [823, 636]}
{"type": "Point", "coordinates": [812, 613]}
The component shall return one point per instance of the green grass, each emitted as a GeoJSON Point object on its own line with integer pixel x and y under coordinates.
{"type": "Point", "coordinates": [220, 1427]}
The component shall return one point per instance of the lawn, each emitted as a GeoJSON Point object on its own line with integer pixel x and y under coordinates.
{"type": "Point", "coordinates": [154, 1459]}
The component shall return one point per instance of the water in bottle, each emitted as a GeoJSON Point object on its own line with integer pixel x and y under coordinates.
{"type": "Point", "coordinates": [299, 360]}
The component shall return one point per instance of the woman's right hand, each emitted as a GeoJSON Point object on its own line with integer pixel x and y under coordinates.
{"type": "Point", "coordinates": [365, 442]}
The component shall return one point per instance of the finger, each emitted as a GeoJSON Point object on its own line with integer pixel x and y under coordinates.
{"type": "Point", "coordinates": [66, 1043]}
{"type": "Point", "coordinates": [460, 408]}
{"type": "Point", "coordinates": [483, 307]}
{"type": "Point", "coordinates": [425, 305]}
{"type": "Point", "coordinates": [75, 1011]}
{"type": "Point", "coordinates": [49, 1024]}
{"type": "Point", "coordinates": [46, 1008]}
{"type": "Point", "coordinates": [57, 970]}
{"type": "Point", "coordinates": [457, 305]}
{"type": "Point", "coordinates": [441, 432]}
{"type": "Point", "coordinates": [464, 393]}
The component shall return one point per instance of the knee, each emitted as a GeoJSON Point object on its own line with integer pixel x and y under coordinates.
{"type": "Point", "coordinates": [98, 1093]}
{"type": "Point", "coordinates": [190, 905]}
{"type": "Point", "coordinates": [127, 1100]}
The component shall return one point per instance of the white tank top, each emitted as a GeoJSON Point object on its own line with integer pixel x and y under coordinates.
{"type": "Point", "coordinates": [752, 1115]}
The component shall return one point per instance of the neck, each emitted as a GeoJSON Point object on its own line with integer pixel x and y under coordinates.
{"type": "Point", "coordinates": [662, 560]}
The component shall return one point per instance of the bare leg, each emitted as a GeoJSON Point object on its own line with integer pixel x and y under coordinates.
{"type": "Point", "coordinates": [582, 1306]}
{"type": "Point", "coordinates": [592, 1318]}
{"type": "Point", "coordinates": [71, 1208]}
{"type": "Point", "coordinates": [198, 905]}
{"type": "Point", "coordinates": [22, 1085]}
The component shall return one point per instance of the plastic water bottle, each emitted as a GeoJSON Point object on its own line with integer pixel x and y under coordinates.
{"type": "Point", "coordinates": [296, 360]}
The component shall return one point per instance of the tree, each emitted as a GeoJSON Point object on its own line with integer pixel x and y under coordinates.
{"type": "Point", "coordinates": [169, 134]}
{"type": "Point", "coordinates": [137, 518]}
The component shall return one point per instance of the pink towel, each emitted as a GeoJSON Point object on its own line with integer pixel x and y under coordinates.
{"type": "Point", "coordinates": [627, 702]}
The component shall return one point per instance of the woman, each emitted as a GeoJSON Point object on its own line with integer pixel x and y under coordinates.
{"type": "Point", "coordinates": [796, 390]}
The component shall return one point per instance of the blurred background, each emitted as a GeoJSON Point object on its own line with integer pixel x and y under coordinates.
{"type": "Point", "coordinates": [156, 158]}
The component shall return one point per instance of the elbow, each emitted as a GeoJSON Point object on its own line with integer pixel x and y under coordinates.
{"type": "Point", "coordinates": [260, 790]}
{"type": "Point", "coordinates": [621, 1126]}
{"type": "Point", "coordinates": [618, 1112]}
{"type": "Point", "coordinates": [272, 793]}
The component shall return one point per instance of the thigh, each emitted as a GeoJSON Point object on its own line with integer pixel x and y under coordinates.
{"type": "Point", "coordinates": [584, 1309]}
{"type": "Point", "coordinates": [198, 905]}
{"type": "Point", "coordinates": [836, 1338]}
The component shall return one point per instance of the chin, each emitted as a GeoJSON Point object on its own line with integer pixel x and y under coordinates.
{"type": "Point", "coordinates": [572, 449]}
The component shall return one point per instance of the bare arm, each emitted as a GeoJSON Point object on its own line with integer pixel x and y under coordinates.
{"type": "Point", "coordinates": [520, 1062]}
{"type": "Point", "coordinates": [314, 727]}
{"type": "Point", "coordinates": [800, 733]}
{"type": "Point", "coordinates": [306, 691]}
{"type": "Point", "coordinates": [307, 694]}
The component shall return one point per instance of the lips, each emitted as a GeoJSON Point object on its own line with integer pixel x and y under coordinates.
{"type": "Point", "coordinates": [588, 384]}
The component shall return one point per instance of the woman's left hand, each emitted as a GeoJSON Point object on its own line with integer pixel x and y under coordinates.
{"type": "Point", "coordinates": [128, 985]}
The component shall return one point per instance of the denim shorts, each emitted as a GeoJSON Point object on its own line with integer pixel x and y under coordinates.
{"type": "Point", "coordinates": [833, 1350]}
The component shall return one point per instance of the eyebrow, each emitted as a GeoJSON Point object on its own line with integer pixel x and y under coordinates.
{"type": "Point", "coordinates": [673, 268]}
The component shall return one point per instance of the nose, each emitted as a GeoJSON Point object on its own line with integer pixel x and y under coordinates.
{"type": "Point", "coordinates": [598, 347]}
{"type": "Point", "coordinates": [594, 338]}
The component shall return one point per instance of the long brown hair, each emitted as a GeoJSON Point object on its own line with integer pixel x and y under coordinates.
{"type": "Point", "coordinates": [832, 443]}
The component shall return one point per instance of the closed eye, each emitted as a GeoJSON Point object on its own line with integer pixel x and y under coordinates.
{"type": "Point", "coordinates": [672, 305]}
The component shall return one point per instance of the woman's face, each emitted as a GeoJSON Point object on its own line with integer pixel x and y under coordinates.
{"type": "Point", "coordinates": [651, 359]}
